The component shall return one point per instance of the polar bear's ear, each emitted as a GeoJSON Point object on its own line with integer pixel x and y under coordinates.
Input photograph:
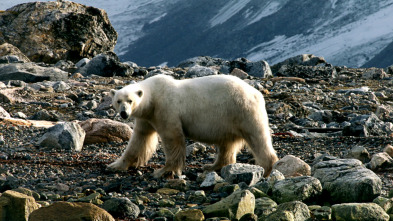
{"type": "Point", "coordinates": [139, 93]}
{"type": "Point", "coordinates": [112, 93]}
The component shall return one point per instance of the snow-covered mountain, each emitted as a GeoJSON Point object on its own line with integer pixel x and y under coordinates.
{"type": "Point", "coordinates": [354, 33]}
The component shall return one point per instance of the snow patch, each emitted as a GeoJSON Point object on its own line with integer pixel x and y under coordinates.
{"type": "Point", "coordinates": [270, 8]}
{"type": "Point", "coordinates": [158, 18]}
{"type": "Point", "coordinates": [230, 9]}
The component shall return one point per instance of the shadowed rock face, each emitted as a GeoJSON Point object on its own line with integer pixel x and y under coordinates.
{"type": "Point", "coordinates": [53, 31]}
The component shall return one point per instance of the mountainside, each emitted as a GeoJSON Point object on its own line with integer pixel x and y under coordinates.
{"type": "Point", "coordinates": [152, 32]}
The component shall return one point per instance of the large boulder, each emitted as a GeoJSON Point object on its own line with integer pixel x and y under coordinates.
{"type": "Point", "coordinates": [16, 206]}
{"type": "Point", "coordinates": [303, 59]}
{"type": "Point", "coordinates": [359, 211]}
{"type": "Point", "coordinates": [57, 30]}
{"type": "Point", "coordinates": [303, 188]}
{"type": "Point", "coordinates": [31, 72]}
{"type": "Point", "coordinates": [347, 181]}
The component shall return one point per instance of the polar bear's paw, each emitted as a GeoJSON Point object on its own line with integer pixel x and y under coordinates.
{"type": "Point", "coordinates": [118, 165]}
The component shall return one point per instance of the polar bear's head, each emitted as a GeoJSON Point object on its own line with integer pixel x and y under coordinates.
{"type": "Point", "coordinates": [126, 100]}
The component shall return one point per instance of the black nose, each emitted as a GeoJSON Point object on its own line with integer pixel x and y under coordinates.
{"type": "Point", "coordinates": [123, 115]}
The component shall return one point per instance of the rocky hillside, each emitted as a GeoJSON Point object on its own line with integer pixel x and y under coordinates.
{"type": "Point", "coordinates": [154, 32]}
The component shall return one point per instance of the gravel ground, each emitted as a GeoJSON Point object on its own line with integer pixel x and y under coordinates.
{"type": "Point", "coordinates": [60, 174]}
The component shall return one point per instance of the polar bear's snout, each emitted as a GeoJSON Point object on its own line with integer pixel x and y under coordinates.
{"type": "Point", "coordinates": [123, 115]}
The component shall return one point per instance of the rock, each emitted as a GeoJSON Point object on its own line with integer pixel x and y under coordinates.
{"type": "Point", "coordinates": [7, 49]}
{"type": "Point", "coordinates": [66, 136]}
{"type": "Point", "coordinates": [57, 30]}
{"type": "Point", "coordinates": [257, 192]}
{"type": "Point", "coordinates": [239, 172]}
{"type": "Point", "coordinates": [67, 66]}
{"type": "Point", "coordinates": [190, 215]}
{"type": "Point", "coordinates": [194, 148]}
{"type": "Point", "coordinates": [385, 203]}
{"type": "Point", "coordinates": [358, 211]}
{"type": "Point", "coordinates": [233, 207]}
{"type": "Point", "coordinates": [256, 69]}
{"type": "Point", "coordinates": [347, 181]}
{"type": "Point", "coordinates": [211, 179]}
{"type": "Point", "coordinates": [4, 113]}
{"type": "Point", "coordinates": [16, 206]}
{"type": "Point", "coordinates": [121, 208]}
{"type": "Point", "coordinates": [61, 86]}
{"type": "Point", "coordinates": [27, 192]}
{"type": "Point", "coordinates": [239, 73]}
{"type": "Point", "coordinates": [177, 184]}
{"type": "Point", "coordinates": [63, 211]}
{"type": "Point", "coordinates": [389, 150]}
{"type": "Point", "coordinates": [303, 188]}
{"type": "Point", "coordinates": [167, 191]}
{"type": "Point", "coordinates": [360, 153]}
{"type": "Point", "coordinates": [249, 217]}
{"type": "Point", "coordinates": [374, 73]}
{"type": "Point", "coordinates": [290, 211]}
{"type": "Point", "coordinates": [303, 59]}
{"type": "Point", "coordinates": [365, 125]}
{"type": "Point", "coordinates": [30, 72]}
{"type": "Point", "coordinates": [107, 65]}
{"type": "Point", "coordinates": [321, 212]}
{"type": "Point", "coordinates": [82, 62]}
{"type": "Point", "coordinates": [205, 61]}
{"type": "Point", "coordinates": [264, 206]}
{"type": "Point", "coordinates": [105, 130]}
{"type": "Point", "coordinates": [45, 115]}
{"type": "Point", "coordinates": [20, 115]}
{"type": "Point", "coordinates": [291, 166]}
{"type": "Point", "coordinates": [308, 72]}
{"type": "Point", "coordinates": [200, 71]}
{"type": "Point", "coordinates": [198, 197]}
{"type": "Point", "coordinates": [381, 161]}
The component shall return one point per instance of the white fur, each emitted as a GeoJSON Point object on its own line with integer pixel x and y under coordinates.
{"type": "Point", "coordinates": [221, 110]}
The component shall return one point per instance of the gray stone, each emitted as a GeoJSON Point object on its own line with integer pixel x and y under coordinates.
{"type": "Point", "coordinates": [291, 166]}
{"type": "Point", "coordinates": [303, 59]}
{"type": "Point", "coordinates": [107, 65]}
{"type": "Point", "coordinates": [82, 62]}
{"type": "Point", "coordinates": [320, 212]}
{"type": "Point", "coordinates": [311, 72]}
{"type": "Point", "coordinates": [256, 69]}
{"type": "Point", "coordinates": [360, 153]}
{"type": "Point", "coordinates": [202, 61]}
{"type": "Point", "coordinates": [385, 203]}
{"type": "Point", "coordinates": [211, 179]}
{"type": "Point", "coordinates": [358, 211]}
{"type": "Point", "coordinates": [381, 161]}
{"type": "Point", "coordinates": [264, 206]}
{"type": "Point", "coordinates": [200, 71]}
{"type": "Point", "coordinates": [233, 207]}
{"type": "Point", "coordinates": [67, 136]}
{"type": "Point", "coordinates": [30, 72]}
{"type": "Point", "coordinates": [347, 180]}
{"type": "Point", "coordinates": [303, 188]}
{"type": "Point", "coordinates": [65, 211]}
{"type": "Point", "coordinates": [374, 73]}
{"type": "Point", "coordinates": [121, 208]}
{"type": "Point", "coordinates": [59, 30]}
{"type": "Point", "coordinates": [61, 86]}
{"type": "Point", "coordinates": [11, 54]}
{"type": "Point", "coordinates": [290, 211]}
{"type": "Point", "coordinates": [239, 172]}
{"type": "Point", "coordinates": [4, 113]}
{"type": "Point", "coordinates": [190, 215]}
{"type": "Point", "coordinates": [45, 115]}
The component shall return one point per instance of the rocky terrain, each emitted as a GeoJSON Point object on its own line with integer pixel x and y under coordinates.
{"type": "Point", "coordinates": [331, 126]}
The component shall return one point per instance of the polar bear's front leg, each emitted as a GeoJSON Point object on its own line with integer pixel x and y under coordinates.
{"type": "Point", "coordinates": [175, 153]}
{"type": "Point", "coordinates": [140, 148]}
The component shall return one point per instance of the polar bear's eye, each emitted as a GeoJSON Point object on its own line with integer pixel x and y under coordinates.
{"type": "Point", "coordinates": [130, 101]}
{"type": "Point", "coordinates": [118, 101]}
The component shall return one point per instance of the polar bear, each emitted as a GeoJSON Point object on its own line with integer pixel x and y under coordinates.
{"type": "Point", "coordinates": [221, 109]}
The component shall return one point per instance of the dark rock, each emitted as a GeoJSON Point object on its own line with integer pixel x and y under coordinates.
{"type": "Point", "coordinates": [303, 59]}
{"type": "Point", "coordinates": [256, 69]}
{"type": "Point", "coordinates": [11, 54]}
{"type": "Point", "coordinates": [121, 208]}
{"type": "Point", "coordinates": [239, 172]}
{"type": "Point", "coordinates": [30, 72]}
{"type": "Point", "coordinates": [308, 72]}
{"type": "Point", "coordinates": [106, 65]}
{"type": "Point", "coordinates": [65, 30]}
{"type": "Point", "coordinates": [205, 61]}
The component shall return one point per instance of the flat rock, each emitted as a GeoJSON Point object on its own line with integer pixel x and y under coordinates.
{"type": "Point", "coordinates": [303, 188]}
{"type": "Point", "coordinates": [240, 172]}
{"type": "Point", "coordinates": [347, 180]}
{"type": "Point", "coordinates": [31, 72]}
{"type": "Point", "coordinates": [358, 211]}
{"type": "Point", "coordinates": [7, 49]}
{"type": "Point", "coordinates": [291, 166]}
{"type": "Point", "coordinates": [290, 211]}
{"type": "Point", "coordinates": [67, 136]}
{"type": "Point", "coordinates": [16, 206]}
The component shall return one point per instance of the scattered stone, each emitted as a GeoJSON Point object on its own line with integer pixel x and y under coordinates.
{"type": "Point", "coordinates": [4, 113]}
{"type": "Point", "coordinates": [205, 61]}
{"type": "Point", "coordinates": [16, 206]}
{"type": "Point", "coordinates": [239, 73]}
{"type": "Point", "coordinates": [63, 211]}
{"type": "Point", "coordinates": [194, 148]}
{"type": "Point", "coordinates": [45, 115]}
{"type": "Point", "coordinates": [359, 211]}
{"type": "Point", "coordinates": [211, 179]}
{"type": "Point", "coordinates": [234, 206]}
{"type": "Point", "coordinates": [381, 161]}
{"type": "Point", "coordinates": [167, 191]}
{"type": "Point", "coordinates": [320, 212]}
{"type": "Point", "coordinates": [249, 217]}
{"type": "Point", "coordinates": [105, 130]}
{"type": "Point", "coordinates": [347, 181]}
{"type": "Point", "coordinates": [385, 203]}
{"type": "Point", "coordinates": [190, 215]}
{"type": "Point", "coordinates": [303, 188]}
{"type": "Point", "coordinates": [198, 197]}
{"type": "Point", "coordinates": [295, 210]}
{"type": "Point", "coordinates": [264, 206]}
{"type": "Point", "coordinates": [66, 136]}
{"type": "Point", "coordinates": [200, 71]}
{"type": "Point", "coordinates": [239, 172]}
{"type": "Point", "coordinates": [303, 59]}
{"type": "Point", "coordinates": [121, 208]}
{"type": "Point", "coordinates": [389, 150]}
{"type": "Point", "coordinates": [374, 73]}
{"type": "Point", "coordinates": [177, 184]}
{"type": "Point", "coordinates": [256, 69]}
{"type": "Point", "coordinates": [20, 115]}
{"type": "Point", "coordinates": [291, 166]}
{"type": "Point", "coordinates": [106, 65]}
{"type": "Point", "coordinates": [61, 30]}
{"type": "Point", "coordinates": [31, 72]}
{"type": "Point", "coordinates": [61, 86]}
{"type": "Point", "coordinates": [360, 153]}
